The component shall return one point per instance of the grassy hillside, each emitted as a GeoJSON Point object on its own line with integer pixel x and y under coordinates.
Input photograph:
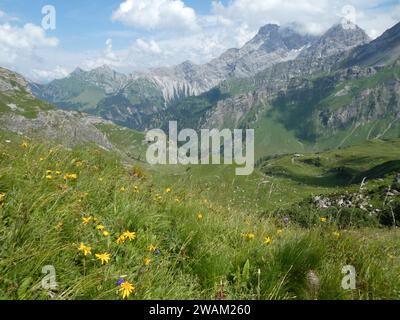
{"type": "Point", "coordinates": [58, 204]}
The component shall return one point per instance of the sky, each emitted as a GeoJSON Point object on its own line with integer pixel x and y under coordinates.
{"type": "Point", "coordinates": [128, 35]}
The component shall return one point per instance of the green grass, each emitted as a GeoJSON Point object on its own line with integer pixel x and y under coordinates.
{"type": "Point", "coordinates": [222, 255]}
{"type": "Point", "coordinates": [25, 104]}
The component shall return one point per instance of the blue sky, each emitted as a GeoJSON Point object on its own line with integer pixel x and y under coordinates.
{"type": "Point", "coordinates": [130, 35]}
{"type": "Point", "coordinates": [83, 24]}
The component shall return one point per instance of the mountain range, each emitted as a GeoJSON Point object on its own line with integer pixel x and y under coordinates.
{"type": "Point", "coordinates": [299, 92]}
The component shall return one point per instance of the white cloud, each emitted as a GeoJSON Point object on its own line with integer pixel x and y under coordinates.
{"type": "Point", "coordinates": [19, 43]}
{"type": "Point", "coordinates": [107, 57]}
{"type": "Point", "coordinates": [7, 18]}
{"type": "Point", "coordinates": [155, 14]}
{"type": "Point", "coordinates": [148, 46]}
{"type": "Point", "coordinates": [46, 75]}
{"type": "Point", "coordinates": [313, 16]}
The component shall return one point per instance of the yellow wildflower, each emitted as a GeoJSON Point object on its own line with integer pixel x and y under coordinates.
{"type": "Point", "coordinates": [129, 235]}
{"type": "Point", "coordinates": [71, 176]}
{"type": "Point", "coordinates": [152, 248]}
{"type": "Point", "coordinates": [85, 249]}
{"type": "Point", "coordinates": [58, 172]}
{"type": "Point", "coordinates": [48, 171]}
{"type": "Point", "coordinates": [336, 234]}
{"type": "Point", "coordinates": [49, 177]}
{"type": "Point", "coordinates": [126, 289]}
{"type": "Point", "coordinates": [122, 189]}
{"type": "Point", "coordinates": [106, 233]}
{"type": "Point", "coordinates": [279, 232]}
{"type": "Point", "coordinates": [177, 200]}
{"type": "Point", "coordinates": [100, 227]}
{"type": "Point", "coordinates": [103, 257]}
{"type": "Point", "coordinates": [251, 236]}
{"type": "Point", "coordinates": [59, 225]}
{"type": "Point", "coordinates": [121, 239]}
{"type": "Point", "coordinates": [100, 179]}
{"type": "Point", "coordinates": [267, 240]}
{"type": "Point", "coordinates": [24, 144]}
{"type": "Point", "coordinates": [136, 189]}
{"type": "Point", "coordinates": [86, 220]}
{"type": "Point", "coordinates": [199, 216]}
{"type": "Point", "coordinates": [147, 261]}
{"type": "Point", "coordinates": [322, 219]}
{"type": "Point", "coordinates": [168, 190]}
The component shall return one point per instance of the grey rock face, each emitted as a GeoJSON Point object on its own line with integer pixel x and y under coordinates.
{"type": "Point", "coordinates": [66, 127]}
{"type": "Point", "coordinates": [12, 82]}
{"type": "Point", "coordinates": [271, 45]}
{"type": "Point", "coordinates": [336, 40]}
{"type": "Point", "coordinates": [385, 49]}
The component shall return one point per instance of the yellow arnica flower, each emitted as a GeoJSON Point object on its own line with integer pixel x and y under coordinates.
{"type": "Point", "coordinates": [122, 189]}
{"type": "Point", "coordinates": [24, 145]}
{"type": "Point", "coordinates": [146, 261]}
{"type": "Point", "coordinates": [58, 172]}
{"type": "Point", "coordinates": [129, 235]}
{"type": "Point", "coordinates": [126, 289]}
{"type": "Point", "coordinates": [86, 220]}
{"type": "Point", "coordinates": [85, 249]}
{"type": "Point", "coordinates": [279, 232]}
{"type": "Point", "coordinates": [152, 248]}
{"type": "Point", "coordinates": [336, 234]}
{"type": "Point", "coordinates": [322, 219]}
{"type": "Point", "coordinates": [168, 190]}
{"type": "Point", "coordinates": [48, 171]}
{"type": "Point", "coordinates": [49, 177]}
{"type": "Point", "coordinates": [103, 257]}
{"type": "Point", "coordinates": [251, 236]}
{"type": "Point", "coordinates": [267, 240]}
{"type": "Point", "coordinates": [199, 216]}
{"type": "Point", "coordinates": [100, 227]}
{"type": "Point", "coordinates": [71, 176]}
{"type": "Point", "coordinates": [2, 197]}
{"type": "Point", "coordinates": [106, 233]}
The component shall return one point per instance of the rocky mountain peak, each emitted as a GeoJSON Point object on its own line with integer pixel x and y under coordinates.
{"type": "Point", "coordinates": [337, 39]}
{"type": "Point", "coordinates": [350, 35]}
{"type": "Point", "coordinates": [273, 37]}
{"type": "Point", "coordinates": [11, 82]}
{"type": "Point", "coordinates": [77, 71]}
